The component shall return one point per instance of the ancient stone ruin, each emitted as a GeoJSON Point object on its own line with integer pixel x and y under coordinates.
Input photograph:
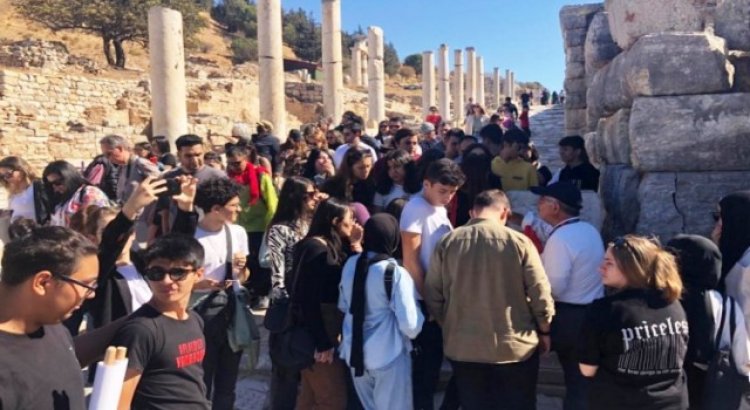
{"type": "Point", "coordinates": [660, 90]}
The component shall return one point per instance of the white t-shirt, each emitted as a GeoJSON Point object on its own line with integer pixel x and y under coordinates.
{"type": "Point", "coordinates": [22, 204]}
{"type": "Point", "coordinates": [140, 292]}
{"type": "Point", "coordinates": [397, 192]}
{"type": "Point", "coordinates": [571, 258]}
{"type": "Point", "coordinates": [215, 246]}
{"type": "Point", "coordinates": [432, 222]}
{"type": "Point", "coordinates": [338, 155]}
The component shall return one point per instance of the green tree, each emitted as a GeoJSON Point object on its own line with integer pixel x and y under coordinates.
{"type": "Point", "coordinates": [414, 61]}
{"type": "Point", "coordinates": [390, 59]}
{"type": "Point", "coordinates": [115, 21]}
{"type": "Point", "coordinates": [244, 49]}
{"type": "Point", "coordinates": [303, 35]}
{"type": "Point", "coordinates": [237, 16]}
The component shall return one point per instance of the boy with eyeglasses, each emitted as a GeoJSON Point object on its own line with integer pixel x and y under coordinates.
{"type": "Point", "coordinates": [164, 338]}
{"type": "Point", "coordinates": [47, 274]}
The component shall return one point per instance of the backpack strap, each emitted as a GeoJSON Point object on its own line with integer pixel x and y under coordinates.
{"type": "Point", "coordinates": [388, 280]}
{"type": "Point", "coordinates": [228, 263]}
{"type": "Point", "coordinates": [717, 342]}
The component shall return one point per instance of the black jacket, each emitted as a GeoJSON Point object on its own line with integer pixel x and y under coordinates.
{"type": "Point", "coordinates": [42, 205]}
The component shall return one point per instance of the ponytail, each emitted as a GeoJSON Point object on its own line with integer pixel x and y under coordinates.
{"type": "Point", "coordinates": [666, 276]}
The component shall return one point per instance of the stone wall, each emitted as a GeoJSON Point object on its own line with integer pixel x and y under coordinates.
{"type": "Point", "coordinates": [666, 107]}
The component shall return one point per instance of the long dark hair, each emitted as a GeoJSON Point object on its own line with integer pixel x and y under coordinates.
{"type": "Point", "coordinates": [384, 183]}
{"type": "Point", "coordinates": [478, 168]}
{"type": "Point", "coordinates": [294, 194]}
{"type": "Point", "coordinates": [309, 171]}
{"type": "Point", "coordinates": [322, 226]}
{"type": "Point", "coordinates": [735, 229]}
{"type": "Point", "coordinates": [69, 175]}
{"type": "Point", "coordinates": [339, 185]}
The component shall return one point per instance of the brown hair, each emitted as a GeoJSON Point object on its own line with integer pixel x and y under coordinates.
{"type": "Point", "coordinates": [20, 165]}
{"type": "Point", "coordinates": [86, 220]}
{"type": "Point", "coordinates": [646, 265]}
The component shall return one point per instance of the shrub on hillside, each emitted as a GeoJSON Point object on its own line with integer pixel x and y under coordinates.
{"type": "Point", "coordinates": [407, 71]}
{"type": "Point", "coordinates": [244, 50]}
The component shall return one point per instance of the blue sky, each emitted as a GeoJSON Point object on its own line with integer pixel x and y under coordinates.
{"type": "Point", "coordinates": [522, 35]}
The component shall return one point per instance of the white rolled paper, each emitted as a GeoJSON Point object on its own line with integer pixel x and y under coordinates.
{"type": "Point", "coordinates": [108, 385]}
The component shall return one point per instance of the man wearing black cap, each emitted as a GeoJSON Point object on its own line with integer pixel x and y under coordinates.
{"type": "Point", "coordinates": [571, 258]}
{"type": "Point", "coordinates": [578, 169]}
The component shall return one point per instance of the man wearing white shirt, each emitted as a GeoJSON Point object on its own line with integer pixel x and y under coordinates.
{"type": "Point", "coordinates": [571, 258]}
{"type": "Point", "coordinates": [352, 136]}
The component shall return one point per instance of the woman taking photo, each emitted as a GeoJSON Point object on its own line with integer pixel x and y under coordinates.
{"type": "Point", "coordinates": [352, 182]}
{"type": "Point", "coordinates": [28, 198]}
{"type": "Point", "coordinates": [69, 192]}
{"type": "Point", "coordinates": [318, 260]}
{"type": "Point", "coordinates": [633, 343]}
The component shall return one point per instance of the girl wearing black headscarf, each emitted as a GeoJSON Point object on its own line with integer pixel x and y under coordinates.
{"type": "Point", "coordinates": [378, 299]}
{"type": "Point", "coordinates": [699, 260]}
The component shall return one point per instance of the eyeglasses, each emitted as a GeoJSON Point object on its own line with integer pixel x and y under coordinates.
{"type": "Point", "coordinates": [716, 215]}
{"type": "Point", "coordinates": [89, 288]}
{"type": "Point", "coordinates": [157, 273]}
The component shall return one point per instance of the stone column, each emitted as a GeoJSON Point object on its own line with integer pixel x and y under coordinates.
{"type": "Point", "coordinates": [168, 86]}
{"type": "Point", "coordinates": [271, 61]}
{"type": "Point", "coordinates": [471, 73]}
{"type": "Point", "coordinates": [356, 66]}
{"type": "Point", "coordinates": [428, 82]}
{"type": "Point", "coordinates": [333, 87]}
{"type": "Point", "coordinates": [480, 82]}
{"type": "Point", "coordinates": [444, 80]}
{"type": "Point", "coordinates": [512, 84]}
{"type": "Point", "coordinates": [376, 74]}
{"type": "Point", "coordinates": [496, 88]}
{"type": "Point", "coordinates": [365, 82]}
{"type": "Point", "coordinates": [458, 87]}
{"type": "Point", "coordinates": [508, 81]}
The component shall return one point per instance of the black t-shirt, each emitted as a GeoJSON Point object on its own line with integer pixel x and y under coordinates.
{"type": "Point", "coordinates": [170, 354]}
{"type": "Point", "coordinates": [585, 176]}
{"type": "Point", "coordinates": [40, 371]}
{"type": "Point", "coordinates": [639, 342]}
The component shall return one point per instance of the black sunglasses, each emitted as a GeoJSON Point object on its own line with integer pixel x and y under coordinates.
{"type": "Point", "coordinates": [57, 182]}
{"type": "Point", "coordinates": [620, 243]}
{"type": "Point", "coordinates": [89, 288]}
{"type": "Point", "coordinates": [716, 215]}
{"type": "Point", "coordinates": [157, 273]}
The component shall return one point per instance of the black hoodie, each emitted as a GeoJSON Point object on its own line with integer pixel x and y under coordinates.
{"type": "Point", "coordinates": [699, 260]}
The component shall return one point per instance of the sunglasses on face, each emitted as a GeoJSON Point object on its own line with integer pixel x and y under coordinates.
{"type": "Point", "coordinates": [57, 182]}
{"type": "Point", "coordinates": [7, 175]}
{"type": "Point", "coordinates": [716, 215]}
{"type": "Point", "coordinates": [157, 273]}
{"type": "Point", "coordinates": [89, 288]}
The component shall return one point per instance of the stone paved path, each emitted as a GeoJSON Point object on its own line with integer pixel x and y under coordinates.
{"type": "Point", "coordinates": [547, 128]}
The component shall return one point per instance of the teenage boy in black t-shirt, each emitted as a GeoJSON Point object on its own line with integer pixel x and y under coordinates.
{"type": "Point", "coordinates": [164, 339]}
{"type": "Point", "coordinates": [46, 275]}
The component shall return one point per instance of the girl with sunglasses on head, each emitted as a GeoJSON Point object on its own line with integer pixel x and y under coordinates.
{"type": "Point", "coordinates": [633, 343]}
{"type": "Point", "coordinates": [27, 196]}
{"type": "Point", "coordinates": [69, 191]}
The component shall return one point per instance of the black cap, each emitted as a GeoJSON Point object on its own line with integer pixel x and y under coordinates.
{"type": "Point", "coordinates": [565, 192]}
{"type": "Point", "coordinates": [575, 141]}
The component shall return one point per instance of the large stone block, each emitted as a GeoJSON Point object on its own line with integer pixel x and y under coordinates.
{"type": "Point", "coordinates": [682, 202]}
{"type": "Point", "coordinates": [575, 37]}
{"type": "Point", "coordinates": [575, 119]}
{"type": "Point", "coordinates": [593, 149]}
{"type": "Point", "coordinates": [661, 65]}
{"type": "Point", "coordinates": [592, 212]}
{"type": "Point", "coordinates": [732, 21]}
{"type": "Point", "coordinates": [599, 48]}
{"type": "Point", "coordinates": [691, 133]}
{"type": "Point", "coordinates": [575, 70]}
{"type": "Point", "coordinates": [618, 188]}
{"type": "Point", "coordinates": [629, 20]}
{"type": "Point", "coordinates": [613, 141]}
{"type": "Point", "coordinates": [574, 55]}
{"type": "Point", "coordinates": [578, 17]}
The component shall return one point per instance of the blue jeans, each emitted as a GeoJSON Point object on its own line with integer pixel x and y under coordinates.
{"type": "Point", "coordinates": [388, 388]}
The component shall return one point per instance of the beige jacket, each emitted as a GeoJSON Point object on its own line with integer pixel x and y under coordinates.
{"type": "Point", "coordinates": [487, 288]}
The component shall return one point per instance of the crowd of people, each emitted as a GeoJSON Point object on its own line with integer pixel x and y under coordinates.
{"type": "Point", "coordinates": [391, 253]}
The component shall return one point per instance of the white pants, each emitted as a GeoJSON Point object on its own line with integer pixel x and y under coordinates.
{"type": "Point", "coordinates": [387, 388]}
